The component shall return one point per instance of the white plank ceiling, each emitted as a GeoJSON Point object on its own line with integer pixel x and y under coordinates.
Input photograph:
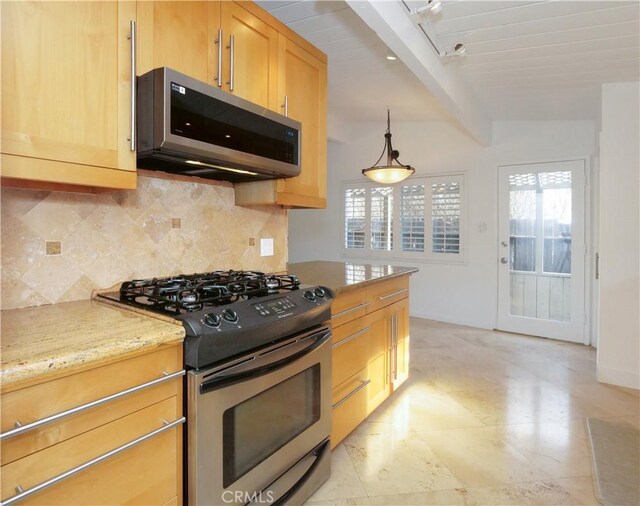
{"type": "Point", "coordinates": [525, 60]}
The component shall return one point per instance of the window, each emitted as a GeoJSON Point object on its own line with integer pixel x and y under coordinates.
{"type": "Point", "coordinates": [421, 218]}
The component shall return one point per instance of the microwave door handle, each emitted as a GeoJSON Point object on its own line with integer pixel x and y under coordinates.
{"type": "Point", "coordinates": [267, 363]}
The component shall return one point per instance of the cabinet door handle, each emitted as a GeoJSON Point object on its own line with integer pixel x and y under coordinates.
{"type": "Point", "coordinates": [349, 338]}
{"type": "Point", "coordinates": [67, 474]}
{"type": "Point", "coordinates": [350, 394]}
{"type": "Point", "coordinates": [132, 126]}
{"type": "Point", "coordinates": [397, 292]}
{"type": "Point", "coordinates": [230, 47]}
{"type": "Point", "coordinates": [20, 429]}
{"type": "Point", "coordinates": [218, 41]}
{"type": "Point", "coordinates": [350, 310]}
{"type": "Point", "coordinates": [285, 106]}
{"type": "Point", "coordinates": [394, 337]}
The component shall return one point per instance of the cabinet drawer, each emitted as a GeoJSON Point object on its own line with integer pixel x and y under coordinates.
{"type": "Point", "coordinates": [40, 401]}
{"type": "Point", "coordinates": [348, 306]}
{"type": "Point", "coordinates": [386, 292]}
{"type": "Point", "coordinates": [351, 350]}
{"type": "Point", "coordinates": [145, 473]}
{"type": "Point", "coordinates": [349, 406]}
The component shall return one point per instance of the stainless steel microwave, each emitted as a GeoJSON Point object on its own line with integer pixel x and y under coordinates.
{"type": "Point", "coordinates": [188, 127]}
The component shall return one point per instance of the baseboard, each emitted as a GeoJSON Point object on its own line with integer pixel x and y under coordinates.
{"type": "Point", "coordinates": [629, 379]}
{"type": "Point", "coordinates": [456, 321]}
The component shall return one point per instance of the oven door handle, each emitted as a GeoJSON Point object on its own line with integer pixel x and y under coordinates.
{"type": "Point", "coordinates": [268, 362]}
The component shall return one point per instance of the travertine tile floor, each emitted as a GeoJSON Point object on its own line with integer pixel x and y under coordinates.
{"type": "Point", "coordinates": [485, 418]}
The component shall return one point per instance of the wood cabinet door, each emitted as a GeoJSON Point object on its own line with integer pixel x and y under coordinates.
{"type": "Point", "coordinates": [303, 83]}
{"type": "Point", "coordinates": [179, 35]}
{"type": "Point", "coordinates": [378, 364]}
{"type": "Point", "coordinates": [254, 70]}
{"type": "Point", "coordinates": [66, 85]}
{"type": "Point", "coordinates": [400, 367]}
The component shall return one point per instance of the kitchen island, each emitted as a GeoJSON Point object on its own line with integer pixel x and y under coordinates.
{"type": "Point", "coordinates": [95, 389]}
{"type": "Point", "coordinates": [370, 323]}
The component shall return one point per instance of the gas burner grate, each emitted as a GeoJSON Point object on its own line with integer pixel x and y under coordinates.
{"type": "Point", "coordinates": [193, 292]}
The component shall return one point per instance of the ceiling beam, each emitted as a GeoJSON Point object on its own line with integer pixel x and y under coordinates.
{"type": "Point", "coordinates": [391, 21]}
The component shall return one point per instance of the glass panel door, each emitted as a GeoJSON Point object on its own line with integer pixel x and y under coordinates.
{"type": "Point", "coordinates": [541, 270]}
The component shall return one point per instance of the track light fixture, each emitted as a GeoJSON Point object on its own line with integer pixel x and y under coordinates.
{"type": "Point", "coordinates": [458, 50]}
{"type": "Point", "coordinates": [433, 7]}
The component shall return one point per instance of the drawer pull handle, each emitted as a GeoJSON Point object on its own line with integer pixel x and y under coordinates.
{"type": "Point", "coordinates": [67, 474]}
{"type": "Point", "coordinates": [349, 338]}
{"type": "Point", "coordinates": [351, 310]}
{"type": "Point", "coordinates": [20, 429]}
{"type": "Point", "coordinates": [352, 393]}
{"type": "Point", "coordinates": [397, 292]}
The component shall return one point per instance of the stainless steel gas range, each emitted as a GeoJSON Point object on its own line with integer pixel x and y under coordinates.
{"type": "Point", "coordinates": [258, 386]}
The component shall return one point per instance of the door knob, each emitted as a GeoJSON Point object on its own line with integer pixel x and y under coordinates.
{"type": "Point", "coordinates": [504, 260]}
{"type": "Point", "coordinates": [504, 244]}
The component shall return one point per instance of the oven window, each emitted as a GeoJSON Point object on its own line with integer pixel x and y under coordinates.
{"type": "Point", "coordinates": [258, 427]}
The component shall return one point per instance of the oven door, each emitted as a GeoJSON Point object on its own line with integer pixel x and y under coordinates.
{"type": "Point", "coordinates": [259, 422]}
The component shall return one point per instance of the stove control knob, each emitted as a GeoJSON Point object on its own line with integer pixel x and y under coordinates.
{"type": "Point", "coordinates": [230, 315]}
{"type": "Point", "coordinates": [309, 295]}
{"type": "Point", "coordinates": [212, 320]}
{"type": "Point", "coordinates": [320, 292]}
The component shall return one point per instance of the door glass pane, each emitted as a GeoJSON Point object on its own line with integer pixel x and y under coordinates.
{"type": "Point", "coordinates": [540, 245]}
{"type": "Point", "coordinates": [556, 204]}
{"type": "Point", "coordinates": [522, 222]}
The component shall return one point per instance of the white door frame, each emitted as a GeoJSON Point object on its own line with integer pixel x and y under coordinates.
{"type": "Point", "coordinates": [578, 329]}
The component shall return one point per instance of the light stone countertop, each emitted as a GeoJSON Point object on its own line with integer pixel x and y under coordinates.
{"type": "Point", "coordinates": [49, 341]}
{"type": "Point", "coordinates": [344, 276]}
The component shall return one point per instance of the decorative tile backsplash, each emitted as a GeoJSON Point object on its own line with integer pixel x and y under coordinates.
{"type": "Point", "coordinates": [60, 246]}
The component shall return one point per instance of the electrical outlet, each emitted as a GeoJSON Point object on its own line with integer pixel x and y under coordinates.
{"type": "Point", "coordinates": [176, 223]}
{"type": "Point", "coordinates": [266, 247]}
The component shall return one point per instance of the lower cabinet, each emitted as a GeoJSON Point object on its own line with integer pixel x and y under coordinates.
{"type": "Point", "coordinates": [370, 354]}
{"type": "Point", "coordinates": [109, 435]}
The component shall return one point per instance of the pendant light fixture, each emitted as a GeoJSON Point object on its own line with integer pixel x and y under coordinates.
{"type": "Point", "coordinates": [389, 173]}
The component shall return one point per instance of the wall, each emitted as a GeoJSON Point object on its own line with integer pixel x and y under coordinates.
{"type": "Point", "coordinates": [466, 293]}
{"type": "Point", "coordinates": [111, 237]}
{"type": "Point", "coordinates": [619, 336]}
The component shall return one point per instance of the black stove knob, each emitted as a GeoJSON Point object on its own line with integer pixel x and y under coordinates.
{"type": "Point", "coordinates": [230, 315]}
{"type": "Point", "coordinates": [309, 295]}
{"type": "Point", "coordinates": [211, 320]}
{"type": "Point", "coordinates": [320, 292]}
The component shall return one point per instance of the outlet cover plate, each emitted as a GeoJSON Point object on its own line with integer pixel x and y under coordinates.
{"type": "Point", "coordinates": [266, 247]}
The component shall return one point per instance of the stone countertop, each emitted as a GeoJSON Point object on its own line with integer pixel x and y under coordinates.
{"type": "Point", "coordinates": [42, 341]}
{"type": "Point", "coordinates": [344, 276]}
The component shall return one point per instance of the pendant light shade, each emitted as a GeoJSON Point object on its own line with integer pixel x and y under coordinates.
{"type": "Point", "coordinates": [389, 173]}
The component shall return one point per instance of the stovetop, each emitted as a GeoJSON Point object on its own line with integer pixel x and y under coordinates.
{"type": "Point", "coordinates": [227, 313]}
{"type": "Point", "coordinates": [186, 293]}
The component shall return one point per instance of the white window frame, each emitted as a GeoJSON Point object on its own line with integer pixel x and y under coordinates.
{"type": "Point", "coordinates": [397, 254]}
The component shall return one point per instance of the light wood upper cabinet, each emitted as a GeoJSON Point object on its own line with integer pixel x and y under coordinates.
{"type": "Point", "coordinates": [177, 35]}
{"type": "Point", "coordinates": [66, 94]}
{"type": "Point", "coordinates": [184, 36]}
{"type": "Point", "coordinates": [302, 86]}
{"type": "Point", "coordinates": [254, 70]}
